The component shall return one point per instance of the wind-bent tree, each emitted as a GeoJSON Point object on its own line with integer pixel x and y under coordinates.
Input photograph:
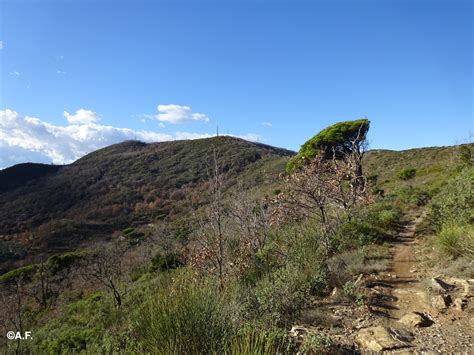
{"type": "Point", "coordinates": [343, 141]}
{"type": "Point", "coordinates": [325, 181]}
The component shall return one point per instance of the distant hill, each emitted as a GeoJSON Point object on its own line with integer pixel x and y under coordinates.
{"type": "Point", "coordinates": [52, 209]}
{"type": "Point", "coordinates": [49, 209]}
{"type": "Point", "coordinates": [433, 166]}
{"type": "Point", "coordinates": [21, 174]}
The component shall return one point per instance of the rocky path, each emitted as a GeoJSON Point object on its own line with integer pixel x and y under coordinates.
{"type": "Point", "coordinates": [404, 282]}
{"type": "Point", "coordinates": [422, 313]}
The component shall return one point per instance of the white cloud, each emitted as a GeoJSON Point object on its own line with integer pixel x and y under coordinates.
{"type": "Point", "coordinates": [1, 45]}
{"type": "Point", "coordinates": [26, 139]}
{"type": "Point", "coordinates": [178, 114]}
{"type": "Point", "coordinates": [16, 73]}
{"type": "Point", "coordinates": [161, 125]}
{"type": "Point", "coordinates": [60, 72]}
{"type": "Point", "coordinates": [81, 116]}
{"type": "Point", "coordinates": [191, 135]}
{"type": "Point", "coordinates": [252, 137]}
{"type": "Point", "coordinates": [267, 124]}
{"type": "Point", "coordinates": [29, 139]}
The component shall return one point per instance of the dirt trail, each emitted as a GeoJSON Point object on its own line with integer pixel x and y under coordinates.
{"type": "Point", "coordinates": [400, 316]}
{"type": "Point", "coordinates": [447, 331]}
{"type": "Point", "coordinates": [406, 290]}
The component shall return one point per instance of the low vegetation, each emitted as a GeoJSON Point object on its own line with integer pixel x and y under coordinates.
{"type": "Point", "coordinates": [452, 214]}
{"type": "Point", "coordinates": [406, 174]}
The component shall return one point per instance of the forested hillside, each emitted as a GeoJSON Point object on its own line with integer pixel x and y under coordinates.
{"type": "Point", "coordinates": [55, 208]}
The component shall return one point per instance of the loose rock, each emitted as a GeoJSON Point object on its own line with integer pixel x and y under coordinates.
{"type": "Point", "coordinates": [415, 320]}
{"type": "Point", "coordinates": [460, 304]}
{"type": "Point", "coordinates": [380, 338]}
{"type": "Point", "coordinates": [439, 286]}
{"type": "Point", "coordinates": [441, 302]}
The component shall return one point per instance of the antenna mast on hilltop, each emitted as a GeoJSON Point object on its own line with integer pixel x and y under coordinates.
{"type": "Point", "coordinates": [217, 130]}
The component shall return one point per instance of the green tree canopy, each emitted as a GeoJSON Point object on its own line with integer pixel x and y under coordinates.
{"type": "Point", "coordinates": [340, 138]}
{"type": "Point", "coordinates": [25, 273]}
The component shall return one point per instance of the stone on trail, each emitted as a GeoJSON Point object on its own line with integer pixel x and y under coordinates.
{"type": "Point", "coordinates": [381, 338]}
{"type": "Point", "coordinates": [414, 319]}
{"type": "Point", "coordinates": [460, 304]}
{"type": "Point", "coordinates": [336, 292]}
{"type": "Point", "coordinates": [439, 286]}
{"type": "Point", "coordinates": [469, 288]}
{"type": "Point", "coordinates": [441, 302]}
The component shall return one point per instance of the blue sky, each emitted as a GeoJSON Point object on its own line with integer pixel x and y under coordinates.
{"type": "Point", "coordinates": [95, 72]}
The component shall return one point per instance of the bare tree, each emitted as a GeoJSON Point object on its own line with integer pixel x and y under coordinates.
{"type": "Point", "coordinates": [106, 268]}
{"type": "Point", "coordinates": [252, 217]}
{"type": "Point", "coordinates": [212, 234]}
{"type": "Point", "coordinates": [324, 190]}
{"type": "Point", "coordinates": [13, 300]}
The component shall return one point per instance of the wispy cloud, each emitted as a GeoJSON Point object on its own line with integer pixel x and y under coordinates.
{"type": "Point", "coordinates": [60, 72]}
{"type": "Point", "coordinates": [15, 73]}
{"type": "Point", "coordinates": [1, 45]}
{"type": "Point", "coordinates": [267, 124]}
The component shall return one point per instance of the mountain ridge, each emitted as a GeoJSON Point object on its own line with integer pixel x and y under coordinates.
{"type": "Point", "coordinates": [130, 183]}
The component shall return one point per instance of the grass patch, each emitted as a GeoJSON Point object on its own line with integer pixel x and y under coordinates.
{"type": "Point", "coordinates": [456, 240]}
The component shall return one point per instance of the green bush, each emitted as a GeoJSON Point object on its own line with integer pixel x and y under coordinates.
{"type": "Point", "coordinates": [353, 293]}
{"type": "Point", "coordinates": [456, 240]}
{"type": "Point", "coordinates": [465, 156]}
{"type": "Point", "coordinates": [388, 218]}
{"type": "Point", "coordinates": [281, 295]}
{"type": "Point", "coordinates": [164, 262]}
{"type": "Point", "coordinates": [65, 261]}
{"type": "Point", "coordinates": [251, 339]}
{"type": "Point", "coordinates": [455, 201]}
{"type": "Point", "coordinates": [373, 224]}
{"type": "Point", "coordinates": [413, 195]}
{"type": "Point", "coordinates": [184, 317]}
{"type": "Point", "coordinates": [406, 174]}
{"type": "Point", "coordinates": [357, 233]}
{"type": "Point", "coordinates": [82, 325]}
{"type": "Point", "coordinates": [25, 273]}
{"type": "Point", "coordinates": [316, 344]}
